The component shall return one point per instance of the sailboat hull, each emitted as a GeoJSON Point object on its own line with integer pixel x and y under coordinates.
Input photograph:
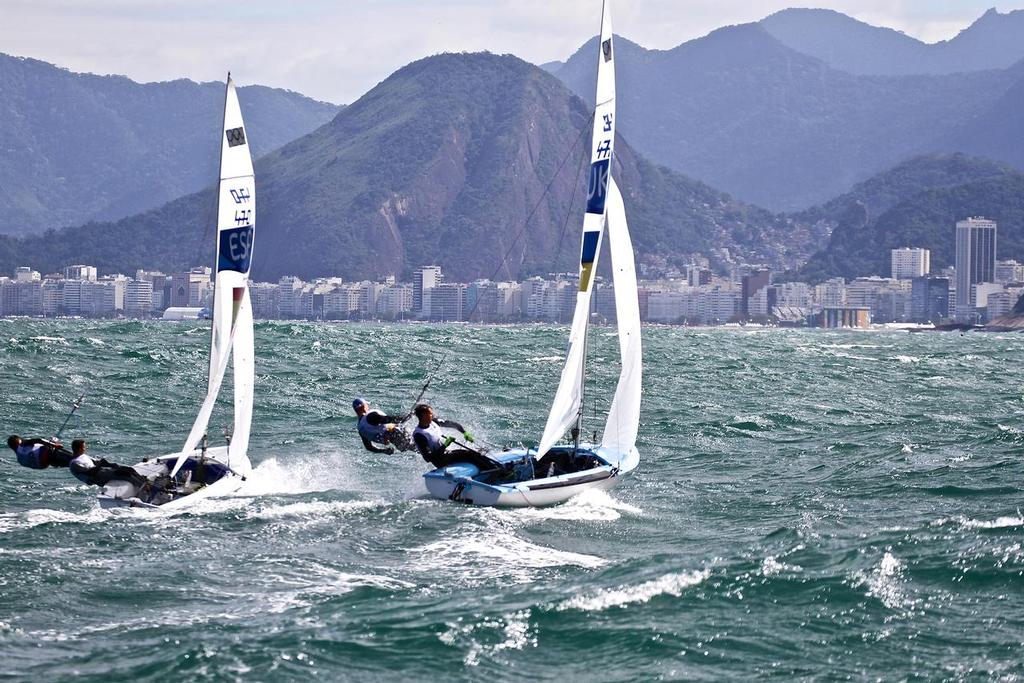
{"type": "Point", "coordinates": [179, 493]}
{"type": "Point", "coordinates": [464, 483]}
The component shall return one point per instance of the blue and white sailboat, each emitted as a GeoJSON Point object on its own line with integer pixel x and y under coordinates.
{"type": "Point", "coordinates": [197, 472]}
{"type": "Point", "coordinates": [554, 473]}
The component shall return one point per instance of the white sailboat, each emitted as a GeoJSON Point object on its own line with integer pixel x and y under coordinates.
{"type": "Point", "coordinates": [196, 471]}
{"type": "Point", "coordinates": [553, 473]}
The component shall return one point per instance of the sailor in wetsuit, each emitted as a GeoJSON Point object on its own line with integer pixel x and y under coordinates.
{"type": "Point", "coordinates": [99, 472]}
{"type": "Point", "coordinates": [376, 427]}
{"type": "Point", "coordinates": [38, 454]}
{"type": "Point", "coordinates": [433, 444]}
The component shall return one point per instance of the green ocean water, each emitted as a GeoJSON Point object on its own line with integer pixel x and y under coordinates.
{"type": "Point", "coordinates": [809, 505]}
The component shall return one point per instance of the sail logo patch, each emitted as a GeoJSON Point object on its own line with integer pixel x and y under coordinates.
{"type": "Point", "coordinates": [606, 49]}
{"type": "Point", "coordinates": [588, 255]}
{"type": "Point", "coordinates": [597, 190]}
{"type": "Point", "coordinates": [236, 136]}
{"type": "Point", "coordinates": [235, 249]}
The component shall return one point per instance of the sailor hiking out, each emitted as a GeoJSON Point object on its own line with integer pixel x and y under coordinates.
{"type": "Point", "coordinates": [38, 454]}
{"type": "Point", "coordinates": [433, 444]}
{"type": "Point", "coordinates": [377, 427]}
{"type": "Point", "coordinates": [97, 471]}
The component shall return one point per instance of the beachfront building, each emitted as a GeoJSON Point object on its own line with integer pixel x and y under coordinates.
{"type": "Point", "coordinates": [423, 279]}
{"type": "Point", "coordinates": [975, 263]}
{"type": "Point", "coordinates": [909, 262]}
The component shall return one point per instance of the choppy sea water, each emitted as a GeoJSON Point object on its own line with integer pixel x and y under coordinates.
{"type": "Point", "coordinates": [810, 504]}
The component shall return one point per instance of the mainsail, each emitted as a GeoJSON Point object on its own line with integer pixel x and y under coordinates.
{"type": "Point", "coordinates": [566, 407]}
{"type": "Point", "coordinates": [232, 333]}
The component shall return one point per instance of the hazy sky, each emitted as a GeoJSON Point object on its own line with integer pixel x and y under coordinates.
{"type": "Point", "coordinates": [337, 50]}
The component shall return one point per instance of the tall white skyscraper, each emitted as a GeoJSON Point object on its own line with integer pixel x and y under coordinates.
{"type": "Point", "coordinates": [908, 263]}
{"type": "Point", "coordinates": [975, 262]}
{"type": "Point", "coordinates": [424, 278]}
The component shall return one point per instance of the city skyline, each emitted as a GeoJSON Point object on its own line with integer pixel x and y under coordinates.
{"type": "Point", "coordinates": [695, 295]}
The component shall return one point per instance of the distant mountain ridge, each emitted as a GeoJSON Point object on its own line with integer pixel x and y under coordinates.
{"type": "Point", "coordinates": [79, 147]}
{"type": "Point", "coordinates": [443, 162]}
{"type": "Point", "coordinates": [994, 41]}
{"type": "Point", "coordinates": [741, 111]}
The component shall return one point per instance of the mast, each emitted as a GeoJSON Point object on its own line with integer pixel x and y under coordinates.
{"type": "Point", "coordinates": [567, 404]}
{"type": "Point", "coordinates": [231, 332]}
{"type": "Point", "coordinates": [211, 371]}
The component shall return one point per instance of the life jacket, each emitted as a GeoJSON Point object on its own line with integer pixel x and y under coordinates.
{"type": "Point", "coordinates": [376, 433]}
{"type": "Point", "coordinates": [35, 456]}
{"type": "Point", "coordinates": [432, 435]}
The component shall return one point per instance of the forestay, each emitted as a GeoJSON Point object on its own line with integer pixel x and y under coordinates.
{"type": "Point", "coordinates": [232, 333]}
{"type": "Point", "coordinates": [565, 408]}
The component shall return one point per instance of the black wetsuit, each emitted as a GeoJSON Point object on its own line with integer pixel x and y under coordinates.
{"type": "Point", "coordinates": [101, 472]}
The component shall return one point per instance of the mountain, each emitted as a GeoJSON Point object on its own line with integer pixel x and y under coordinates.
{"type": "Point", "coordinates": [994, 41]}
{"type": "Point", "coordinates": [81, 147]}
{"type": "Point", "coordinates": [916, 204]}
{"type": "Point", "coordinates": [447, 161]}
{"type": "Point", "coordinates": [997, 132]}
{"type": "Point", "coordinates": [743, 112]}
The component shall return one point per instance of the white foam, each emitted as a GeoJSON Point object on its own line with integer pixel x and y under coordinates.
{"type": "Point", "coordinates": [315, 510]}
{"type": "Point", "coordinates": [514, 628]}
{"type": "Point", "coordinates": [670, 584]}
{"type": "Point", "coordinates": [325, 584]}
{"type": "Point", "coordinates": [908, 359]}
{"type": "Point", "coordinates": [498, 555]}
{"type": "Point", "coordinates": [15, 521]}
{"type": "Point", "coordinates": [51, 340]}
{"type": "Point", "coordinates": [770, 566]}
{"type": "Point", "coordinates": [310, 476]}
{"type": "Point", "coordinates": [998, 523]}
{"type": "Point", "coordinates": [885, 582]}
{"type": "Point", "coordinates": [593, 505]}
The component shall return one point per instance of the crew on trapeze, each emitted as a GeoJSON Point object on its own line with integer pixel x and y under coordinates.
{"type": "Point", "coordinates": [39, 454]}
{"type": "Point", "coordinates": [376, 427]}
{"type": "Point", "coordinates": [433, 443]}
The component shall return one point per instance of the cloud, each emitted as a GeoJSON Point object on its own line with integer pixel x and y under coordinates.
{"type": "Point", "coordinates": [337, 50]}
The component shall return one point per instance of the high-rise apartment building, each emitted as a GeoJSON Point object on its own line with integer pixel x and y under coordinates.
{"type": "Point", "coordinates": [975, 262]}
{"type": "Point", "coordinates": [423, 279]}
{"type": "Point", "coordinates": [908, 263]}
{"type": "Point", "coordinates": [929, 300]}
{"type": "Point", "coordinates": [80, 272]}
{"type": "Point", "coordinates": [445, 303]}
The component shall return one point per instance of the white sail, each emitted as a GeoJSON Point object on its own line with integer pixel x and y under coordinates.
{"type": "Point", "coordinates": [565, 408]}
{"type": "Point", "coordinates": [232, 311]}
{"type": "Point", "coordinates": [243, 363]}
{"type": "Point", "coordinates": [624, 417]}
